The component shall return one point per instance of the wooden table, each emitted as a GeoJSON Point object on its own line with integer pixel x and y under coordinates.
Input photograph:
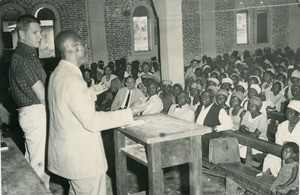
{"type": "Point", "coordinates": [163, 141]}
{"type": "Point", "coordinates": [17, 175]}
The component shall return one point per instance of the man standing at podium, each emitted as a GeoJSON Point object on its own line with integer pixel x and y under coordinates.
{"type": "Point", "coordinates": [75, 145]}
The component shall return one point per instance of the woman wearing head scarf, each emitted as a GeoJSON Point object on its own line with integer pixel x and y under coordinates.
{"type": "Point", "coordinates": [236, 111]}
{"type": "Point", "coordinates": [254, 123]}
{"type": "Point", "coordinates": [287, 131]}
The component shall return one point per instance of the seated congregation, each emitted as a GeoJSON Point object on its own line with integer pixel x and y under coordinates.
{"type": "Point", "coordinates": [238, 92]}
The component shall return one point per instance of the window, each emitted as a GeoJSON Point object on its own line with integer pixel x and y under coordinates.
{"type": "Point", "coordinates": [47, 18]}
{"type": "Point", "coordinates": [262, 27]}
{"type": "Point", "coordinates": [141, 29]}
{"type": "Point", "coordinates": [242, 28]}
{"type": "Point", "coordinates": [253, 23]}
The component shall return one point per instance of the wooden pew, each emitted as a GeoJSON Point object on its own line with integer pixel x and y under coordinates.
{"type": "Point", "coordinates": [243, 174]}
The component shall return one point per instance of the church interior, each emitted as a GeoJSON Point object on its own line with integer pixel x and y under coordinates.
{"type": "Point", "coordinates": [194, 46]}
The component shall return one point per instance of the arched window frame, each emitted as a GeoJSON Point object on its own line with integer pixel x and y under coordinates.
{"type": "Point", "coordinates": [56, 25]}
{"type": "Point", "coordinates": [253, 7]}
{"type": "Point", "coordinates": [151, 41]}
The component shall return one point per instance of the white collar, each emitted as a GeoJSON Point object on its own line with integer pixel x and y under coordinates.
{"type": "Point", "coordinates": [71, 66]}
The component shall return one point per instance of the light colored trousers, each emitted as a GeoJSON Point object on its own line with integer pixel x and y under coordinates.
{"type": "Point", "coordinates": [33, 122]}
{"type": "Point", "coordinates": [89, 186]}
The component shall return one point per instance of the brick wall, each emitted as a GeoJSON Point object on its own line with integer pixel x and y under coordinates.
{"type": "Point", "coordinates": [225, 25]}
{"type": "Point", "coordinates": [74, 13]}
{"type": "Point", "coordinates": [281, 26]}
{"type": "Point", "coordinates": [118, 29]}
{"type": "Point", "coordinates": [191, 30]}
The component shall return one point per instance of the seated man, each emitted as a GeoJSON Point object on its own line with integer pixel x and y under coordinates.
{"type": "Point", "coordinates": [181, 109]}
{"type": "Point", "coordinates": [166, 95]}
{"type": "Point", "coordinates": [153, 102]}
{"type": "Point", "coordinates": [210, 114]}
{"type": "Point", "coordinates": [127, 95]}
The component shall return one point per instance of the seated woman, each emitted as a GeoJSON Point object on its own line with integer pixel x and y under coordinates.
{"type": "Point", "coordinates": [221, 99]}
{"type": "Point", "coordinates": [108, 76]}
{"type": "Point", "coordinates": [236, 111]}
{"type": "Point", "coordinates": [287, 131]}
{"type": "Point", "coordinates": [176, 88]}
{"type": "Point", "coordinates": [268, 80]}
{"type": "Point", "coordinates": [274, 96]}
{"type": "Point", "coordinates": [87, 77]}
{"type": "Point", "coordinates": [254, 123]}
{"type": "Point", "coordinates": [195, 90]}
{"type": "Point", "coordinates": [295, 90]}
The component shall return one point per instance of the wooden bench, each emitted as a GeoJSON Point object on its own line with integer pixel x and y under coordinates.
{"type": "Point", "coordinates": [243, 174]}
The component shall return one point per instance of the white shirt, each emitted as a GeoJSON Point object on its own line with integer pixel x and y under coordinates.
{"type": "Point", "coordinates": [108, 82]}
{"type": "Point", "coordinates": [283, 134]}
{"type": "Point", "coordinates": [185, 112]}
{"type": "Point", "coordinates": [224, 118]}
{"type": "Point", "coordinates": [153, 105]}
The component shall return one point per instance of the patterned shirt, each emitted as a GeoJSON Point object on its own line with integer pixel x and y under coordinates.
{"type": "Point", "coordinates": [25, 70]}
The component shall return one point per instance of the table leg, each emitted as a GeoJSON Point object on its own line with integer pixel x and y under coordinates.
{"type": "Point", "coordinates": [121, 164]}
{"type": "Point", "coordinates": [155, 172]}
{"type": "Point", "coordinates": [195, 166]}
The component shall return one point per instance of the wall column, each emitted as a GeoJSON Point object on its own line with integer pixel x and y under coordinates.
{"type": "Point", "coordinates": [171, 39]}
{"type": "Point", "coordinates": [97, 33]}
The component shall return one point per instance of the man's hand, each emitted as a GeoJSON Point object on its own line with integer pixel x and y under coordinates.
{"type": "Point", "coordinates": [100, 88]}
{"type": "Point", "coordinates": [138, 107]}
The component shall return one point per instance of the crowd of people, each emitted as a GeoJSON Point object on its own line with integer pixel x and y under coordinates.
{"type": "Point", "coordinates": [236, 91]}
{"type": "Point", "coordinates": [230, 92]}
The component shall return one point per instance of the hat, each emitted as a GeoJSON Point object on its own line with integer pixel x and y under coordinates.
{"type": "Point", "coordinates": [281, 83]}
{"type": "Point", "coordinates": [271, 70]}
{"type": "Point", "coordinates": [196, 86]}
{"type": "Point", "coordinates": [295, 105]}
{"type": "Point", "coordinates": [205, 67]}
{"type": "Point", "coordinates": [254, 76]}
{"type": "Point", "coordinates": [215, 71]}
{"type": "Point", "coordinates": [296, 73]}
{"type": "Point", "coordinates": [284, 74]}
{"type": "Point", "coordinates": [256, 101]}
{"type": "Point", "coordinates": [227, 80]}
{"type": "Point", "coordinates": [222, 92]}
{"type": "Point", "coordinates": [238, 94]}
{"type": "Point", "coordinates": [179, 85]}
{"type": "Point", "coordinates": [238, 62]}
{"type": "Point", "coordinates": [214, 80]}
{"type": "Point", "coordinates": [214, 89]}
{"type": "Point", "coordinates": [194, 69]}
{"type": "Point", "coordinates": [167, 82]}
{"type": "Point", "coordinates": [244, 85]}
{"type": "Point", "coordinates": [235, 74]}
{"type": "Point", "coordinates": [256, 87]}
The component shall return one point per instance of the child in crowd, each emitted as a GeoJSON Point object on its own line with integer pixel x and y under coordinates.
{"type": "Point", "coordinates": [287, 181]}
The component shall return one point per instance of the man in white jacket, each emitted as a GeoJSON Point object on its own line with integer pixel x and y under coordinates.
{"type": "Point", "coordinates": [75, 149]}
